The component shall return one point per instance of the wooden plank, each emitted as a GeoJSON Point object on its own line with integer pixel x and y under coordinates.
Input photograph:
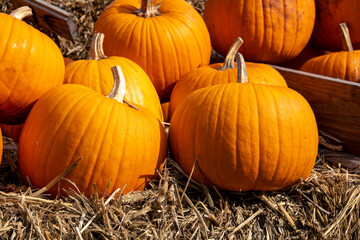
{"type": "Point", "coordinates": [50, 17]}
{"type": "Point", "coordinates": [335, 102]}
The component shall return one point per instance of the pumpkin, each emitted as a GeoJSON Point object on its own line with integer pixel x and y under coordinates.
{"type": "Point", "coordinates": [273, 31]}
{"type": "Point", "coordinates": [219, 73]}
{"type": "Point", "coordinates": [329, 14]}
{"type": "Point", "coordinates": [344, 64]}
{"type": "Point", "coordinates": [245, 136]}
{"type": "Point", "coordinates": [117, 142]}
{"type": "Point", "coordinates": [67, 60]}
{"type": "Point", "coordinates": [12, 131]}
{"type": "Point", "coordinates": [167, 39]}
{"type": "Point", "coordinates": [95, 72]}
{"type": "Point", "coordinates": [30, 65]}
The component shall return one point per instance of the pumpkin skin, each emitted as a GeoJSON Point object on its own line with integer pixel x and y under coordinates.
{"type": "Point", "coordinates": [12, 131]}
{"type": "Point", "coordinates": [245, 136]}
{"type": "Point", "coordinates": [67, 60]}
{"type": "Point", "coordinates": [329, 14]}
{"type": "Point", "coordinates": [115, 141]}
{"type": "Point", "coordinates": [166, 111]}
{"type": "Point", "coordinates": [271, 33]}
{"type": "Point", "coordinates": [96, 73]}
{"type": "Point", "coordinates": [166, 46]}
{"type": "Point", "coordinates": [220, 73]}
{"type": "Point", "coordinates": [31, 64]}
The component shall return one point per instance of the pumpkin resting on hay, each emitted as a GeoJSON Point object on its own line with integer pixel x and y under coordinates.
{"type": "Point", "coordinates": [30, 65]}
{"type": "Point", "coordinates": [117, 142]}
{"type": "Point", "coordinates": [245, 136]}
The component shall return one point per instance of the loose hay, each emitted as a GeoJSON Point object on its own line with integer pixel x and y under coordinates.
{"type": "Point", "coordinates": [325, 206]}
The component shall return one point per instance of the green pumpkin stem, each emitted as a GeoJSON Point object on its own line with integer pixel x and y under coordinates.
{"type": "Point", "coordinates": [241, 69]}
{"type": "Point", "coordinates": [96, 48]}
{"type": "Point", "coordinates": [147, 9]}
{"type": "Point", "coordinates": [230, 56]}
{"type": "Point", "coordinates": [345, 37]}
{"type": "Point", "coordinates": [118, 90]}
{"type": "Point", "coordinates": [21, 12]}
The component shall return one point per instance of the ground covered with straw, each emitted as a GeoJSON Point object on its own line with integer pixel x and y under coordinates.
{"type": "Point", "coordinates": [324, 206]}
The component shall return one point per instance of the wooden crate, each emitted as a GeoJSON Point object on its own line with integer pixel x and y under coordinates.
{"type": "Point", "coordinates": [335, 102]}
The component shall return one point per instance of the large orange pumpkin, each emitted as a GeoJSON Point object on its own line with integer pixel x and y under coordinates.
{"type": "Point", "coordinates": [31, 64]}
{"type": "Point", "coordinates": [245, 136]}
{"type": "Point", "coordinates": [117, 142]}
{"type": "Point", "coordinates": [167, 39]}
{"type": "Point", "coordinates": [344, 64]}
{"type": "Point", "coordinates": [329, 14]}
{"type": "Point", "coordinates": [95, 73]}
{"type": "Point", "coordinates": [219, 73]}
{"type": "Point", "coordinates": [12, 131]}
{"type": "Point", "coordinates": [274, 31]}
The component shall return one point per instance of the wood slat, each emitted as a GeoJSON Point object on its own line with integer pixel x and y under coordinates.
{"type": "Point", "coordinates": [335, 102]}
{"type": "Point", "coordinates": [50, 17]}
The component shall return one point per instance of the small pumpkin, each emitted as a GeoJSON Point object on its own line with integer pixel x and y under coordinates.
{"type": "Point", "coordinates": [67, 60]}
{"type": "Point", "coordinates": [344, 64]}
{"type": "Point", "coordinates": [31, 64]}
{"type": "Point", "coordinates": [95, 72]}
{"type": "Point", "coordinates": [12, 131]}
{"type": "Point", "coordinates": [245, 136]}
{"type": "Point", "coordinates": [166, 38]}
{"type": "Point", "coordinates": [329, 14]}
{"type": "Point", "coordinates": [219, 73]}
{"type": "Point", "coordinates": [166, 111]}
{"type": "Point", "coordinates": [118, 143]}
{"type": "Point", "coordinates": [274, 31]}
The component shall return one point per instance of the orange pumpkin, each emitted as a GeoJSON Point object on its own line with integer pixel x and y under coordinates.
{"type": "Point", "coordinates": [245, 136]}
{"type": "Point", "coordinates": [344, 64]}
{"type": "Point", "coordinates": [329, 14]}
{"type": "Point", "coordinates": [167, 39]}
{"type": "Point", "coordinates": [67, 60]}
{"type": "Point", "coordinates": [12, 131]}
{"type": "Point", "coordinates": [30, 65]}
{"type": "Point", "coordinates": [220, 73]}
{"type": "Point", "coordinates": [117, 142]}
{"type": "Point", "coordinates": [274, 31]}
{"type": "Point", "coordinates": [166, 111]}
{"type": "Point", "coordinates": [95, 72]}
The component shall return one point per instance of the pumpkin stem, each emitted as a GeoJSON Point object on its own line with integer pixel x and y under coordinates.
{"type": "Point", "coordinates": [147, 9]}
{"type": "Point", "coordinates": [21, 12]}
{"type": "Point", "coordinates": [345, 37]}
{"type": "Point", "coordinates": [241, 69]}
{"type": "Point", "coordinates": [118, 90]}
{"type": "Point", "coordinates": [230, 56]}
{"type": "Point", "coordinates": [96, 49]}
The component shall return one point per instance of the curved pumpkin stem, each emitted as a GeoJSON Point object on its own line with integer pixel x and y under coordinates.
{"type": "Point", "coordinates": [96, 49]}
{"type": "Point", "coordinates": [241, 69]}
{"type": "Point", "coordinates": [118, 90]}
{"type": "Point", "coordinates": [21, 12]}
{"type": "Point", "coordinates": [345, 37]}
{"type": "Point", "coordinates": [147, 9]}
{"type": "Point", "coordinates": [230, 56]}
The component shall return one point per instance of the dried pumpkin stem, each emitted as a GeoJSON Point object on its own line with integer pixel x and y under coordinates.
{"type": "Point", "coordinates": [21, 12]}
{"type": "Point", "coordinates": [230, 56]}
{"type": "Point", "coordinates": [241, 69]}
{"type": "Point", "coordinates": [118, 90]}
{"type": "Point", "coordinates": [147, 9]}
{"type": "Point", "coordinates": [345, 37]}
{"type": "Point", "coordinates": [96, 49]}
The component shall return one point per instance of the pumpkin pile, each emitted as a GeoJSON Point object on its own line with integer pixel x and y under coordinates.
{"type": "Point", "coordinates": [233, 124]}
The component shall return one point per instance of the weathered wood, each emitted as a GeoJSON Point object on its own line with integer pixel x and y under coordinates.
{"type": "Point", "coordinates": [335, 102]}
{"type": "Point", "coordinates": [50, 17]}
